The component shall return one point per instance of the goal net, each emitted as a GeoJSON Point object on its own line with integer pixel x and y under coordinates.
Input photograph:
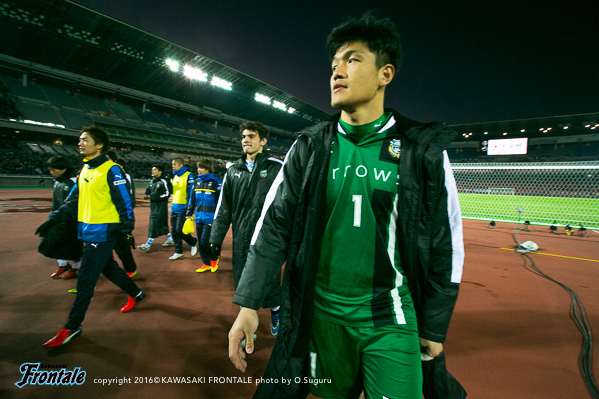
{"type": "Point", "coordinates": [548, 193]}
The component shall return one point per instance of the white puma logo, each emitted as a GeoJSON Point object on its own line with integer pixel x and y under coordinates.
{"type": "Point", "coordinates": [238, 174]}
{"type": "Point", "coordinates": [94, 245]}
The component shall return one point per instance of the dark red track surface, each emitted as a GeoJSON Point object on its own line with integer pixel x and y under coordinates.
{"type": "Point", "coordinates": [511, 335]}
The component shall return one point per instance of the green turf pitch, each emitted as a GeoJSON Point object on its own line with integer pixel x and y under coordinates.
{"type": "Point", "coordinates": [537, 210]}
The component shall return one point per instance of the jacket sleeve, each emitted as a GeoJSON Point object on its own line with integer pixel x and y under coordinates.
{"type": "Point", "coordinates": [132, 184]}
{"type": "Point", "coordinates": [190, 185]}
{"type": "Point", "coordinates": [191, 203]}
{"type": "Point", "coordinates": [270, 241]}
{"type": "Point", "coordinates": [165, 190]}
{"type": "Point", "coordinates": [121, 197]}
{"type": "Point", "coordinates": [446, 258]}
{"type": "Point", "coordinates": [222, 214]}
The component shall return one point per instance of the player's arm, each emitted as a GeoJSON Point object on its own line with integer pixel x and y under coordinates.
{"type": "Point", "coordinates": [191, 202]}
{"type": "Point", "coordinates": [165, 190]}
{"type": "Point", "coordinates": [446, 260]}
{"type": "Point", "coordinates": [222, 214]}
{"type": "Point", "coordinates": [121, 197]}
{"type": "Point", "coordinates": [267, 252]}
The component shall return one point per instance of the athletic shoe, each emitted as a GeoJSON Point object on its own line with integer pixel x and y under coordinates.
{"type": "Point", "coordinates": [131, 302]}
{"type": "Point", "coordinates": [214, 265]}
{"type": "Point", "coordinates": [203, 268]}
{"type": "Point", "coordinates": [274, 322]}
{"type": "Point", "coordinates": [63, 337]}
{"type": "Point", "coordinates": [70, 274]}
{"type": "Point", "coordinates": [144, 247]}
{"type": "Point", "coordinates": [176, 256]}
{"type": "Point", "coordinates": [168, 243]}
{"type": "Point", "coordinates": [131, 275]}
{"type": "Point", "coordinates": [74, 290]}
{"type": "Point", "coordinates": [243, 342]}
{"type": "Point", "coordinates": [194, 249]}
{"type": "Point", "coordinates": [60, 270]}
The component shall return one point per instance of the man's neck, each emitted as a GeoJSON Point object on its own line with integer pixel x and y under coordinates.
{"type": "Point", "coordinates": [252, 157]}
{"type": "Point", "coordinates": [90, 157]}
{"type": "Point", "coordinates": [365, 113]}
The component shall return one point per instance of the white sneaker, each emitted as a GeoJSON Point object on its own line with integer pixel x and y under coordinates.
{"type": "Point", "coordinates": [194, 249]}
{"type": "Point", "coordinates": [168, 243]}
{"type": "Point", "coordinates": [176, 256]}
{"type": "Point", "coordinates": [144, 247]}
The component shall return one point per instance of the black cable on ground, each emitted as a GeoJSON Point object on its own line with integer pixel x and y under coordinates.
{"type": "Point", "coordinates": [578, 315]}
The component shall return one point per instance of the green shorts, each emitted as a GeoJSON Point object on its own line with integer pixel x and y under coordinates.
{"type": "Point", "coordinates": [384, 362]}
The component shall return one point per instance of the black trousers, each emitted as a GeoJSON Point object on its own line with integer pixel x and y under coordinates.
{"type": "Point", "coordinates": [123, 251]}
{"type": "Point", "coordinates": [177, 221]}
{"type": "Point", "coordinates": [203, 232]}
{"type": "Point", "coordinates": [97, 258]}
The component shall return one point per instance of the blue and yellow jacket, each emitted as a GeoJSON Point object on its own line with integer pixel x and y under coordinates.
{"type": "Point", "coordinates": [182, 188]}
{"type": "Point", "coordinates": [100, 201]}
{"type": "Point", "coordinates": [202, 204]}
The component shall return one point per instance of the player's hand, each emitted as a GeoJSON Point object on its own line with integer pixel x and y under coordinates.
{"type": "Point", "coordinates": [431, 348]}
{"type": "Point", "coordinates": [215, 248]}
{"type": "Point", "coordinates": [45, 227]}
{"type": "Point", "coordinates": [146, 197]}
{"type": "Point", "coordinates": [127, 239]}
{"type": "Point", "coordinates": [245, 326]}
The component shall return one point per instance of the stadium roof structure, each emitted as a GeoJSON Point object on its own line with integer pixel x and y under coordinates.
{"type": "Point", "coordinates": [65, 40]}
{"type": "Point", "coordinates": [556, 128]}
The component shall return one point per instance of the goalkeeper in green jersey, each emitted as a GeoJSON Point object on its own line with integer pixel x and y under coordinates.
{"type": "Point", "coordinates": [365, 215]}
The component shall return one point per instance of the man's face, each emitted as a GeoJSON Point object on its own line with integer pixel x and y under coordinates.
{"type": "Point", "coordinates": [177, 166]}
{"type": "Point", "coordinates": [156, 172]}
{"type": "Point", "coordinates": [355, 78]}
{"type": "Point", "coordinates": [251, 143]}
{"type": "Point", "coordinates": [203, 171]}
{"type": "Point", "coordinates": [88, 147]}
{"type": "Point", "coordinates": [56, 173]}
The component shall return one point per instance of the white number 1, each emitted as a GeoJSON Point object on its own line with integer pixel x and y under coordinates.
{"type": "Point", "coordinates": [357, 199]}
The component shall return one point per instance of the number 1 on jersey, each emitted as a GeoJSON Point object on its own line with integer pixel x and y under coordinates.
{"type": "Point", "coordinates": [357, 199]}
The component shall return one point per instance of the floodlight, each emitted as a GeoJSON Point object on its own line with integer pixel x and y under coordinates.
{"type": "Point", "coordinates": [279, 105]}
{"type": "Point", "coordinates": [291, 110]}
{"type": "Point", "coordinates": [195, 73]}
{"type": "Point", "coordinates": [172, 64]}
{"type": "Point", "coordinates": [223, 84]}
{"type": "Point", "coordinates": [262, 98]}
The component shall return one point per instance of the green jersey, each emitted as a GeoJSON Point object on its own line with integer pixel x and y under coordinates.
{"type": "Point", "coordinates": [360, 281]}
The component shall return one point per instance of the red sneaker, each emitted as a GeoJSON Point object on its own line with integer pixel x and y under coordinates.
{"type": "Point", "coordinates": [72, 273]}
{"type": "Point", "coordinates": [62, 338]}
{"type": "Point", "coordinates": [60, 270]}
{"type": "Point", "coordinates": [203, 268]}
{"type": "Point", "coordinates": [131, 302]}
{"type": "Point", "coordinates": [214, 266]}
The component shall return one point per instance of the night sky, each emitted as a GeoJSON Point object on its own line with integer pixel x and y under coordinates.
{"type": "Point", "coordinates": [464, 61]}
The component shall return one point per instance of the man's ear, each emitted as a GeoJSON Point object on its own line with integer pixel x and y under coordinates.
{"type": "Point", "coordinates": [386, 74]}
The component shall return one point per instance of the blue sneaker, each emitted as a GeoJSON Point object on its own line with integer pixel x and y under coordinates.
{"type": "Point", "coordinates": [274, 322]}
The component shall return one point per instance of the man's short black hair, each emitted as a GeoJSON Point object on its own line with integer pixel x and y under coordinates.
{"type": "Point", "coordinates": [206, 164]}
{"type": "Point", "coordinates": [99, 136]}
{"type": "Point", "coordinates": [255, 127]}
{"type": "Point", "coordinates": [58, 162]}
{"type": "Point", "coordinates": [159, 167]}
{"type": "Point", "coordinates": [380, 35]}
